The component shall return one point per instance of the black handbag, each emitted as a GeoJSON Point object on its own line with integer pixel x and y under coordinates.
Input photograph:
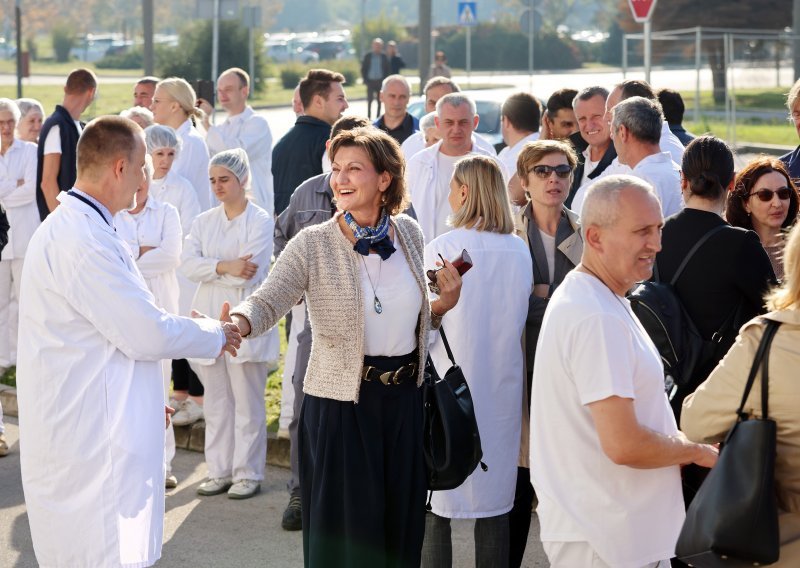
{"type": "Point", "coordinates": [733, 519]}
{"type": "Point", "coordinates": [451, 441]}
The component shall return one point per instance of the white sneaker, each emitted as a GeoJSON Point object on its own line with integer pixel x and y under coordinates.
{"type": "Point", "coordinates": [3, 445]}
{"type": "Point", "coordinates": [214, 486]}
{"type": "Point", "coordinates": [188, 412]}
{"type": "Point", "coordinates": [170, 481]}
{"type": "Point", "coordinates": [244, 489]}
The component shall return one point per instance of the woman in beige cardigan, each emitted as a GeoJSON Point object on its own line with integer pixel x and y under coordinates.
{"type": "Point", "coordinates": [710, 411]}
{"type": "Point", "coordinates": [362, 475]}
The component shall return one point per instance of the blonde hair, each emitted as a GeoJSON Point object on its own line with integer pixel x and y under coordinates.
{"type": "Point", "coordinates": [486, 207]}
{"type": "Point", "coordinates": [787, 295]}
{"type": "Point", "coordinates": [182, 93]}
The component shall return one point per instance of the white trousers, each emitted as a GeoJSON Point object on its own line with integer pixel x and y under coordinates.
{"type": "Point", "coordinates": [236, 420]}
{"type": "Point", "coordinates": [287, 388]}
{"type": "Point", "coordinates": [581, 554]}
{"type": "Point", "coordinates": [10, 273]}
{"type": "Point", "coordinates": [169, 435]}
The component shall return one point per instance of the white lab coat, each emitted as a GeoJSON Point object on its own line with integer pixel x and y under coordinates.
{"type": "Point", "coordinates": [90, 394]}
{"type": "Point", "coordinates": [422, 184]}
{"type": "Point", "coordinates": [485, 333]}
{"type": "Point", "coordinates": [250, 132]}
{"type": "Point", "coordinates": [178, 192]}
{"type": "Point", "coordinates": [416, 143]}
{"type": "Point", "coordinates": [157, 225]}
{"type": "Point", "coordinates": [19, 202]}
{"type": "Point", "coordinates": [214, 238]}
{"type": "Point", "coordinates": [192, 163]}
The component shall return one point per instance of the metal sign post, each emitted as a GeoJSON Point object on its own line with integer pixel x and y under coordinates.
{"type": "Point", "coordinates": [467, 16]}
{"type": "Point", "coordinates": [642, 11]}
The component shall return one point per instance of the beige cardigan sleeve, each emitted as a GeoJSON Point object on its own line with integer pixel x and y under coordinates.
{"type": "Point", "coordinates": [710, 411]}
{"type": "Point", "coordinates": [282, 290]}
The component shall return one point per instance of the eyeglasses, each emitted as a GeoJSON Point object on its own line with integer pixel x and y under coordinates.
{"type": "Point", "coordinates": [543, 171]}
{"type": "Point", "coordinates": [784, 194]}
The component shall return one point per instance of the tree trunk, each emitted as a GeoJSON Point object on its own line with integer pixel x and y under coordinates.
{"type": "Point", "coordinates": [716, 60]}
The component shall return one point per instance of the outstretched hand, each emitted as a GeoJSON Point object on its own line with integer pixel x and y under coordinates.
{"type": "Point", "coordinates": [233, 337]}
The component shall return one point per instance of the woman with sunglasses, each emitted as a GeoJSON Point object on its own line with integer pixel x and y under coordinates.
{"type": "Point", "coordinates": [551, 233]}
{"type": "Point", "coordinates": [723, 284]}
{"type": "Point", "coordinates": [764, 199]}
{"type": "Point", "coordinates": [484, 331]}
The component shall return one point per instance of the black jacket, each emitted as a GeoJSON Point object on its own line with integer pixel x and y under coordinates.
{"type": "Point", "coordinates": [297, 157]}
{"type": "Point", "coordinates": [68, 169]}
{"type": "Point", "coordinates": [4, 227]}
{"type": "Point", "coordinates": [367, 62]}
{"type": "Point", "coordinates": [577, 177]}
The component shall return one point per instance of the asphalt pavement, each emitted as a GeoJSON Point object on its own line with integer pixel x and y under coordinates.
{"type": "Point", "coordinates": [208, 532]}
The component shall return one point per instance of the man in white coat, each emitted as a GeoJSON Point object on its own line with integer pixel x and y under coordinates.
{"type": "Point", "coordinates": [90, 394]}
{"type": "Point", "coordinates": [242, 129]}
{"type": "Point", "coordinates": [428, 172]}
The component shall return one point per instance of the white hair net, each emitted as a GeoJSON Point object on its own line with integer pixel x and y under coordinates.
{"type": "Point", "coordinates": [160, 136]}
{"type": "Point", "coordinates": [235, 161]}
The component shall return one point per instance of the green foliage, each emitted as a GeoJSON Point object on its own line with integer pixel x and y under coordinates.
{"type": "Point", "coordinates": [504, 46]}
{"type": "Point", "coordinates": [131, 59]}
{"type": "Point", "coordinates": [192, 58]}
{"type": "Point", "coordinates": [9, 377]}
{"type": "Point", "coordinates": [291, 73]}
{"type": "Point", "coordinates": [385, 27]}
{"type": "Point", "coordinates": [63, 41]}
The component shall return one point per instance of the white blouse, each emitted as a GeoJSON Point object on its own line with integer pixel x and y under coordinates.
{"type": "Point", "coordinates": [176, 190]}
{"type": "Point", "coordinates": [192, 163]}
{"type": "Point", "coordinates": [393, 331]}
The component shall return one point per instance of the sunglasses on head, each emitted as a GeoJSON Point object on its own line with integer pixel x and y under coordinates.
{"type": "Point", "coordinates": [784, 194]}
{"type": "Point", "coordinates": [542, 171]}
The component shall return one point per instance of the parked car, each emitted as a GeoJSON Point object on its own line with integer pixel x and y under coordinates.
{"type": "Point", "coordinates": [488, 111]}
{"type": "Point", "coordinates": [283, 52]}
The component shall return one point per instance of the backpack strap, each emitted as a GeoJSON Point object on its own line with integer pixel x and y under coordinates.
{"type": "Point", "coordinates": [700, 242]}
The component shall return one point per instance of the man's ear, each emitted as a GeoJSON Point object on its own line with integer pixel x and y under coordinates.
{"type": "Point", "coordinates": [592, 236]}
{"type": "Point", "coordinates": [475, 121]}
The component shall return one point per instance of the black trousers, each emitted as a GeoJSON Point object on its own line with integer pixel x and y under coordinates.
{"type": "Point", "coordinates": [362, 476]}
{"type": "Point", "coordinates": [519, 518]}
{"type": "Point", "coordinates": [184, 379]}
{"type": "Point", "coordinates": [373, 93]}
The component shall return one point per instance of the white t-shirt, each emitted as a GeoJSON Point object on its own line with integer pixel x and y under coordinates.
{"type": "Point", "coordinates": [508, 155]}
{"type": "Point", "coordinates": [393, 331]}
{"type": "Point", "coordinates": [52, 144]}
{"type": "Point", "coordinates": [660, 171]}
{"type": "Point", "coordinates": [592, 347]}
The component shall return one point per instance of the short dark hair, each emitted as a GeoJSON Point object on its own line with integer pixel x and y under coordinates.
{"type": "Point", "coordinates": [562, 98]}
{"type": "Point", "coordinates": [385, 155]}
{"type": "Point", "coordinates": [522, 110]}
{"type": "Point", "coordinates": [590, 93]}
{"type": "Point", "coordinates": [707, 166]}
{"type": "Point", "coordinates": [349, 122]}
{"type": "Point", "coordinates": [636, 88]}
{"type": "Point", "coordinates": [735, 212]}
{"type": "Point", "coordinates": [318, 82]}
{"type": "Point", "coordinates": [149, 80]}
{"type": "Point", "coordinates": [439, 81]}
{"type": "Point", "coordinates": [80, 81]}
{"type": "Point", "coordinates": [105, 139]}
{"type": "Point", "coordinates": [672, 105]}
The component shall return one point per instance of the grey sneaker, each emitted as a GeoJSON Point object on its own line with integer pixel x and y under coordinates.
{"type": "Point", "coordinates": [214, 486]}
{"type": "Point", "coordinates": [244, 489]}
{"type": "Point", "coordinates": [293, 515]}
{"type": "Point", "coordinates": [188, 412]}
{"type": "Point", "coordinates": [3, 445]}
{"type": "Point", "coordinates": [170, 481]}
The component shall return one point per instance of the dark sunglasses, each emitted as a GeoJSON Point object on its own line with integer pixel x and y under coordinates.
{"type": "Point", "coordinates": [542, 171]}
{"type": "Point", "coordinates": [784, 194]}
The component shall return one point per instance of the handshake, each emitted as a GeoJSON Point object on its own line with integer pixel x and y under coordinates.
{"type": "Point", "coordinates": [233, 330]}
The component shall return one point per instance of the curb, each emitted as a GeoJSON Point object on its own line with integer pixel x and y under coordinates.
{"type": "Point", "coordinates": [760, 148]}
{"type": "Point", "coordinates": [191, 437]}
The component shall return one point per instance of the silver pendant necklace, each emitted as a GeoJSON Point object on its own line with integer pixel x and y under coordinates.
{"type": "Point", "coordinates": [376, 303]}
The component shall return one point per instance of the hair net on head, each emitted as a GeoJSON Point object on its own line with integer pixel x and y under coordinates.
{"type": "Point", "coordinates": [235, 161]}
{"type": "Point", "coordinates": [160, 136]}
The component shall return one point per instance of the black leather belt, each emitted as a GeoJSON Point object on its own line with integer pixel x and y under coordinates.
{"type": "Point", "coordinates": [370, 373]}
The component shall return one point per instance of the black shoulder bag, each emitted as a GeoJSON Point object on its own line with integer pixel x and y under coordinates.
{"type": "Point", "coordinates": [451, 443]}
{"type": "Point", "coordinates": [733, 520]}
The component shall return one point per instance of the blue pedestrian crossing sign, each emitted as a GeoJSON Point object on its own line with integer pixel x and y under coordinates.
{"type": "Point", "coordinates": [467, 14]}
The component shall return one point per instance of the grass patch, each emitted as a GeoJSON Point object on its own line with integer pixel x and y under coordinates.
{"type": "Point", "coordinates": [773, 98]}
{"type": "Point", "coordinates": [272, 396]}
{"type": "Point", "coordinates": [9, 377]}
{"type": "Point", "coordinates": [753, 130]}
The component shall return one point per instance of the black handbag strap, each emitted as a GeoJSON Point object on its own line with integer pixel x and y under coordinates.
{"type": "Point", "coordinates": [447, 346]}
{"type": "Point", "coordinates": [761, 359]}
{"type": "Point", "coordinates": [700, 242]}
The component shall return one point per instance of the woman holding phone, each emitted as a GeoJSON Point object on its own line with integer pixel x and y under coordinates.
{"type": "Point", "coordinates": [362, 473]}
{"type": "Point", "coordinates": [485, 333]}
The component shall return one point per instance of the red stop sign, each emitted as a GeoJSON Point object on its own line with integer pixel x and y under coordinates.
{"type": "Point", "coordinates": [642, 9]}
